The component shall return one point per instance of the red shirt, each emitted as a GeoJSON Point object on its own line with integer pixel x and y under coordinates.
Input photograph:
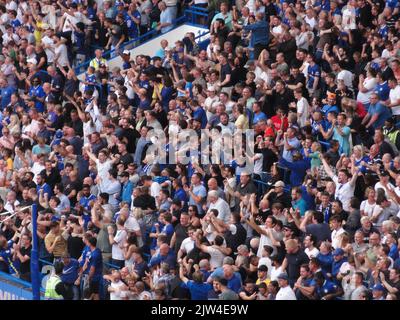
{"type": "Point", "coordinates": [277, 121]}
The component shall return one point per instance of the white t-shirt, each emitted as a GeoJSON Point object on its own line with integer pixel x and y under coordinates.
{"type": "Point", "coordinates": [379, 185]}
{"type": "Point", "coordinates": [49, 53]}
{"type": "Point", "coordinates": [102, 169]}
{"type": "Point", "coordinates": [116, 285]}
{"type": "Point", "coordinates": [210, 102]}
{"type": "Point", "coordinates": [265, 241]}
{"type": "Point", "coordinates": [275, 272]}
{"type": "Point", "coordinates": [311, 253]}
{"type": "Point", "coordinates": [62, 53]}
{"type": "Point", "coordinates": [344, 192]}
{"type": "Point", "coordinates": [368, 84]}
{"type": "Point", "coordinates": [258, 163]}
{"type": "Point", "coordinates": [131, 224]}
{"type": "Point", "coordinates": [336, 237]}
{"type": "Point", "coordinates": [369, 209]}
{"type": "Point", "coordinates": [277, 30]}
{"type": "Point", "coordinates": [265, 261]}
{"type": "Point", "coordinates": [347, 78]}
{"type": "Point", "coordinates": [155, 189]}
{"type": "Point", "coordinates": [394, 96]}
{"type": "Point", "coordinates": [348, 18]}
{"type": "Point", "coordinates": [36, 169]}
{"type": "Point", "coordinates": [224, 212]}
{"type": "Point", "coordinates": [117, 248]}
{"type": "Point", "coordinates": [311, 21]}
{"type": "Point", "coordinates": [286, 293]}
{"type": "Point", "coordinates": [303, 107]}
{"type": "Point", "coordinates": [187, 245]}
{"type": "Point", "coordinates": [217, 257]}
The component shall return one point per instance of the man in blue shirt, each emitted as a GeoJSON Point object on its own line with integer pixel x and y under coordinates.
{"type": "Point", "coordinates": [325, 289]}
{"type": "Point", "coordinates": [298, 202]}
{"type": "Point", "coordinates": [95, 269]}
{"type": "Point", "coordinates": [313, 75]}
{"type": "Point", "coordinates": [132, 19]}
{"type": "Point", "coordinates": [127, 188]}
{"type": "Point", "coordinates": [377, 113]}
{"type": "Point", "coordinates": [257, 113]}
{"type": "Point", "coordinates": [85, 201]}
{"type": "Point", "coordinates": [197, 288]}
{"type": "Point", "coordinates": [70, 274]}
{"type": "Point", "coordinates": [199, 113]}
{"type": "Point", "coordinates": [166, 255]}
{"type": "Point", "coordinates": [259, 34]}
{"type": "Point", "coordinates": [42, 186]}
{"type": "Point", "coordinates": [37, 93]}
{"type": "Point", "coordinates": [226, 271]}
{"type": "Point", "coordinates": [338, 260]}
{"type": "Point", "coordinates": [5, 91]}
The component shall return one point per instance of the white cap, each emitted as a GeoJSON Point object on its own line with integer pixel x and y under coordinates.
{"type": "Point", "coordinates": [31, 60]}
{"type": "Point", "coordinates": [126, 52]}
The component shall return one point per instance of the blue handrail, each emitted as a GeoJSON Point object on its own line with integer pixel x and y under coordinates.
{"type": "Point", "coordinates": [147, 35]}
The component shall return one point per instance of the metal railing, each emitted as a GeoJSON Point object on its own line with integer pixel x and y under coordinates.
{"type": "Point", "coordinates": [190, 15]}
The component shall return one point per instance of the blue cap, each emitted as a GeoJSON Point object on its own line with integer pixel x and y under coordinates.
{"type": "Point", "coordinates": [56, 142]}
{"type": "Point", "coordinates": [378, 287]}
{"type": "Point", "coordinates": [59, 134]}
{"type": "Point", "coordinates": [283, 276]}
{"type": "Point", "coordinates": [55, 219]}
{"type": "Point", "coordinates": [338, 252]}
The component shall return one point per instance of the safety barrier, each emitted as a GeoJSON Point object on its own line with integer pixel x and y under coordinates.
{"type": "Point", "coordinates": [12, 288]}
{"type": "Point", "coordinates": [190, 15]}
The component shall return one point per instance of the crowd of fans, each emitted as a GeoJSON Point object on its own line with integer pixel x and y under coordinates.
{"type": "Point", "coordinates": [317, 219]}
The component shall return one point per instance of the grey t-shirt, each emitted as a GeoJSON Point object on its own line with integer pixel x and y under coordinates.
{"type": "Point", "coordinates": [228, 294]}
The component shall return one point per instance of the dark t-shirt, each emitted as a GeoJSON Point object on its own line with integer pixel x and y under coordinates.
{"type": "Point", "coordinates": [130, 135]}
{"type": "Point", "coordinates": [25, 267]}
{"type": "Point", "coordinates": [73, 185]}
{"type": "Point", "coordinates": [320, 231]}
{"type": "Point", "coordinates": [75, 246]}
{"type": "Point", "coordinates": [226, 70]}
{"type": "Point", "coordinates": [295, 260]}
{"type": "Point", "coordinates": [180, 235]}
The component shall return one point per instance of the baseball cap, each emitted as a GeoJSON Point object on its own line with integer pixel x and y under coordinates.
{"type": "Point", "coordinates": [249, 63]}
{"type": "Point", "coordinates": [59, 134]}
{"type": "Point", "coordinates": [279, 184]}
{"type": "Point", "coordinates": [126, 52]}
{"type": "Point", "coordinates": [338, 252]}
{"type": "Point", "coordinates": [283, 276]}
{"type": "Point", "coordinates": [391, 120]}
{"type": "Point", "coordinates": [384, 173]}
{"type": "Point", "coordinates": [378, 287]}
{"type": "Point", "coordinates": [288, 226]}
